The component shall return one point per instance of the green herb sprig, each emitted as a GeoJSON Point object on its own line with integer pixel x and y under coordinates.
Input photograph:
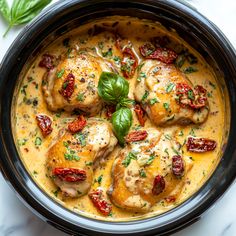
{"type": "Point", "coordinates": [21, 12]}
{"type": "Point", "coordinates": [114, 89]}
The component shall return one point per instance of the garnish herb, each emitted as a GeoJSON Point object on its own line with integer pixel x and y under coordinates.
{"type": "Point", "coordinates": [166, 151]}
{"type": "Point", "coordinates": [150, 160]}
{"type": "Point", "coordinates": [60, 73]}
{"type": "Point", "coordinates": [80, 97]}
{"type": "Point", "coordinates": [21, 12]}
{"type": "Point", "coordinates": [145, 95]}
{"type": "Point", "coordinates": [81, 138]}
{"type": "Point", "coordinates": [121, 121]}
{"type": "Point", "coordinates": [114, 89]}
{"type": "Point", "coordinates": [142, 173]}
{"type": "Point", "coordinates": [190, 94]}
{"type": "Point", "coordinates": [38, 141]}
{"type": "Point", "coordinates": [22, 142]}
{"type": "Point", "coordinates": [88, 163]}
{"type": "Point", "coordinates": [190, 69]}
{"type": "Point", "coordinates": [99, 179]}
{"type": "Point", "coordinates": [170, 87]}
{"type": "Point", "coordinates": [140, 67]}
{"type": "Point", "coordinates": [117, 60]}
{"type": "Point", "coordinates": [180, 61]}
{"type": "Point", "coordinates": [167, 136]}
{"type": "Point", "coordinates": [192, 133]}
{"type": "Point", "coordinates": [166, 105]}
{"type": "Point", "coordinates": [212, 85]}
{"type": "Point", "coordinates": [128, 159]}
{"type": "Point", "coordinates": [153, 101]}
{"type": "Point", "coordinates": [108, 53]}
{"type": "Point", "coordinates": [142, 75]}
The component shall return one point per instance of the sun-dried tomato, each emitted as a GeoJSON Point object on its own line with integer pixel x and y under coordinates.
{"type": "Point", "coordinates": [68, 85]}
{"type": "Point", "coordinates": [177, 165]}
{"type": "Point", "coordinates": [70, 174]}
{"type": "Point", "coordinates": [140, 114]}
{"type": "Point", "coordinates": [110, 109]}
{"type": "Point", "coordinates": [44, 123]}
{"type": "Point", "coordinates": [77, 125]}
{"type": "Point", "coordinates": [129, 62]}
{"type": "Point", "coordinates": [200, 97]}
{"type": "Point", "coordinates": [194, 98]}
{"type": "Point", "coordinates": [165, 55]}
{"type": "Point", "coordinates": [136, 136]}
{"type": "Point", "coordinates": [47, 61]}
{"type": "Point", "coordinates": [200, 144]}
{"type": "Point", "coordinates": [158, 185]}
{"type": "Point", "coordinates": [100, 202]}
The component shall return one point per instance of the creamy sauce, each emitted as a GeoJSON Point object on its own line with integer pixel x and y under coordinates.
{"type": "Point", "coordinates": [33, 146]}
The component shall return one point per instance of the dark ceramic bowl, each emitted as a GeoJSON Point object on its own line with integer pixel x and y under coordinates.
{"type": "Point", "coordinates": [66, 15]}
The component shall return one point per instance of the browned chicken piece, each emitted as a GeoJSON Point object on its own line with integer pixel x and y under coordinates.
{"type": "Point", "coordinates": [71, 158]}
{"type": "Point", "coordinates": [72, 84]}
{"type": "Point", "coordinates": [168, 97]}
{"type": "Point", "coordinates": [148, 171]}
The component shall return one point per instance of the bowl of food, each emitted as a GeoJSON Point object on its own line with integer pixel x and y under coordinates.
{"type": "Point", "coordinates": [116, 117]}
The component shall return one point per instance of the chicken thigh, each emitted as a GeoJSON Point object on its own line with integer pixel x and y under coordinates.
{"type": "Point", "coordinates": [168, 97]}
{"type": "Point", "coordinates": [147, 171]}
{"type": "Point", "coordinates": [72, 84]}
{"type": "Point", "coordinates": [71, 158]}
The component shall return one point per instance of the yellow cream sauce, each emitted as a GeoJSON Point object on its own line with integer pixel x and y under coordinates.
{"type": "Point", "coordinates": [30, 101]}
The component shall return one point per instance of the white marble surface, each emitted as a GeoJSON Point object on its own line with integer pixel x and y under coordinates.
{"type": "Point", "coordinates": [17, 220]}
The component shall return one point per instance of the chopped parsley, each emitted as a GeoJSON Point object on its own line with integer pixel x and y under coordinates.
{"type": "Point", "coordinates": [190, 69]}
{"type": "Point", "coordinates": [23, 89]}
{"type": "Point", "coordinates": [180, 61]}
{"type": "Point", "coordinates": [153, 101]}
{"type": "Point", "coordinates": [181, 133]}
{"type": "Point", "coordinates": [117, 60]}
{"type": "Point", "coordinates": [100, 45]}
{"type": "Point", "coordinates": [22, 142]}
{"type": "Point", "coordinates": [170, 87]}
{"type": "Point", "coordinates": [166, 151]}
{"type": "Point", "coordinates": [212, 85]}
{"type": "Point", "coordinates": [142, 173]}
{"type": "Point", "coordinates": [166, 106]}
{"type": "Point", "coordinates": [80, 97]}
{"type": "Point", "coordinates": [107, 53]}
{"type": "Point", "coordinates": [167, 136]}
{"type": "Point", "coordinates": [88, 163]}
{"type": "Point", "coordinates": [38, 141]}
{"type": "Point", "coordinates": [56, 192]}
{"type": "Point", "coordinates": [192, 133]}
{"type": "Point", "coordinates": [145, 95]}
{"type": "Point", "coordinates": [60, 73]}
{"type": "Point", "coordinates": [150, 160]}
{"type": "Point", "coordinates": [128, 159]}
{"type": "Point", "coordinates": [70, 154]}
{"type": "Point", "coordinates": [99, 179]}
{"type": "Point", "coordinates": [141, 76]}
{"type": "Point", "coordinates": [190, 94]}
{"type": "Point", "coordinates": [81, 138]}
{"type": "Point", "coordinates": [140, 67]}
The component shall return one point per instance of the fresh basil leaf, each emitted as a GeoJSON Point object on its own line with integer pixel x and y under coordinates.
{"type": "Point", "coordinates": [24, 11]}
{"type": "Point", "coordinates": [112, 87]}
{"type": "Point", "coordinates": [5, 10]}
{"type": "Point", "coordinates": [125, 102]}
{"type": "Point", "coordinates": [121, 121]}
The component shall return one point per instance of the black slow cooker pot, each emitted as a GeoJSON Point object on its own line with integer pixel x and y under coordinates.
{"type": "Point", "coordinates": [63, 16]}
